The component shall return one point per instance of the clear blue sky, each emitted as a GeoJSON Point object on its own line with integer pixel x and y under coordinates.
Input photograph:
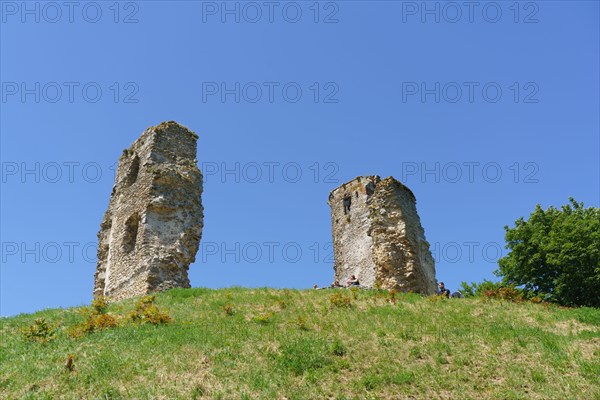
{"type": "Point", "coordinates": [387, 88]}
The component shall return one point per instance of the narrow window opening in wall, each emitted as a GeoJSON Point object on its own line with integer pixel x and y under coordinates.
{"type": "Point", "coordinates": [356, 193]}
{"type": "Point", "coordinates": [131, 232]}
{"type": "Point", "coordinates": [370, 189]}
{"type": "Point", "coordinates": [132, 172]}
{"type": "Point", "coordinates": [347, 202]}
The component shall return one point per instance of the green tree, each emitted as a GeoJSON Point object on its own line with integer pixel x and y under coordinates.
{"type": "Point", "coordinates": [556, 253]}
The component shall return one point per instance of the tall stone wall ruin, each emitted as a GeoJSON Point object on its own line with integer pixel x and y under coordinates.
{"type": "Point", "coordinates": [151, 231]}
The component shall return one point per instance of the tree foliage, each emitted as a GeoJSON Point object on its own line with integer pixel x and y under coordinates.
{"type": "Point", "coordinates": [556, 253]}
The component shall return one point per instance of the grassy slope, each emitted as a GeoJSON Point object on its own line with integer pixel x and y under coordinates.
{"type": "Point", "coordinates": [416, 348]}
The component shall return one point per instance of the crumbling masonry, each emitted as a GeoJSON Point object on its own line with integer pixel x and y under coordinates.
{"type": "Point", "coordinates": [377, 236]}
{"type": "Point", "coordinates": [151, 231]}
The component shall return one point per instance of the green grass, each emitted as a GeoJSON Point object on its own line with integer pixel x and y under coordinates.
{"type": "Point", "coordinates": [286, 344]}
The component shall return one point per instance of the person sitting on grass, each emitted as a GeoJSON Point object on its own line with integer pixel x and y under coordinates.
{"type": "Point", "coordinates": [442, 291]}
{"type": "Point", "coordinates": [335, 285]}
{"type": "Point", "coordinates": [353, 281]}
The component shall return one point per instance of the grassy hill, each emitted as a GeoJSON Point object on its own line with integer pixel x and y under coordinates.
{"type": "Point", "coordinates": [312, 344]}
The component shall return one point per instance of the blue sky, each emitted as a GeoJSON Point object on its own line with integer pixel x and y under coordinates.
{"type": "Point", "coordinates": [483, 112]}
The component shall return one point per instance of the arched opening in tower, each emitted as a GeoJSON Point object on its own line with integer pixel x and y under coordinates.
{"type": "Point", "coordinates": [347, 202]}
{"type": "Point", "coordinates": [131, 232]}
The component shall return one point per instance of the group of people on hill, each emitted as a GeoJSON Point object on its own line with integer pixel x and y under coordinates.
{"type": "Point", "coordinates": [354, 282]}
{"type": "Point", "coordinates": [443, 291]}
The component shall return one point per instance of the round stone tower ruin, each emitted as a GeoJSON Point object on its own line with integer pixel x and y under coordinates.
{"type": "Point", "coordinates": [151, 231]}
{"type": "Point", "coordinates": [377, 236]}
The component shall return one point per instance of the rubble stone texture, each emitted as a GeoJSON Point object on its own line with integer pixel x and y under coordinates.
{"type": "Point", "coordinates": [377, 236]}
{"type": "Point", "coordinates": [151, 231]}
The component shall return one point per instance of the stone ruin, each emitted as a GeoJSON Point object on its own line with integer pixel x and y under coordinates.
{"type": "Point", "coordinates": [377, 236]}
{"type": "Point", "coordinates": [151, 231]}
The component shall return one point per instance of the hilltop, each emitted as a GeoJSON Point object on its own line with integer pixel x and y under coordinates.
{"type": "Point", "coordinates": [311, 344]}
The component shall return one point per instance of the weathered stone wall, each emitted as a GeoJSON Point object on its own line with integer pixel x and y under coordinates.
{"type": "Point", "coordinates": [380, 238]}
{"type": "Point", "coordinates": [352, 245]}
{"type": "Point", "coordinates": [151, 231]}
